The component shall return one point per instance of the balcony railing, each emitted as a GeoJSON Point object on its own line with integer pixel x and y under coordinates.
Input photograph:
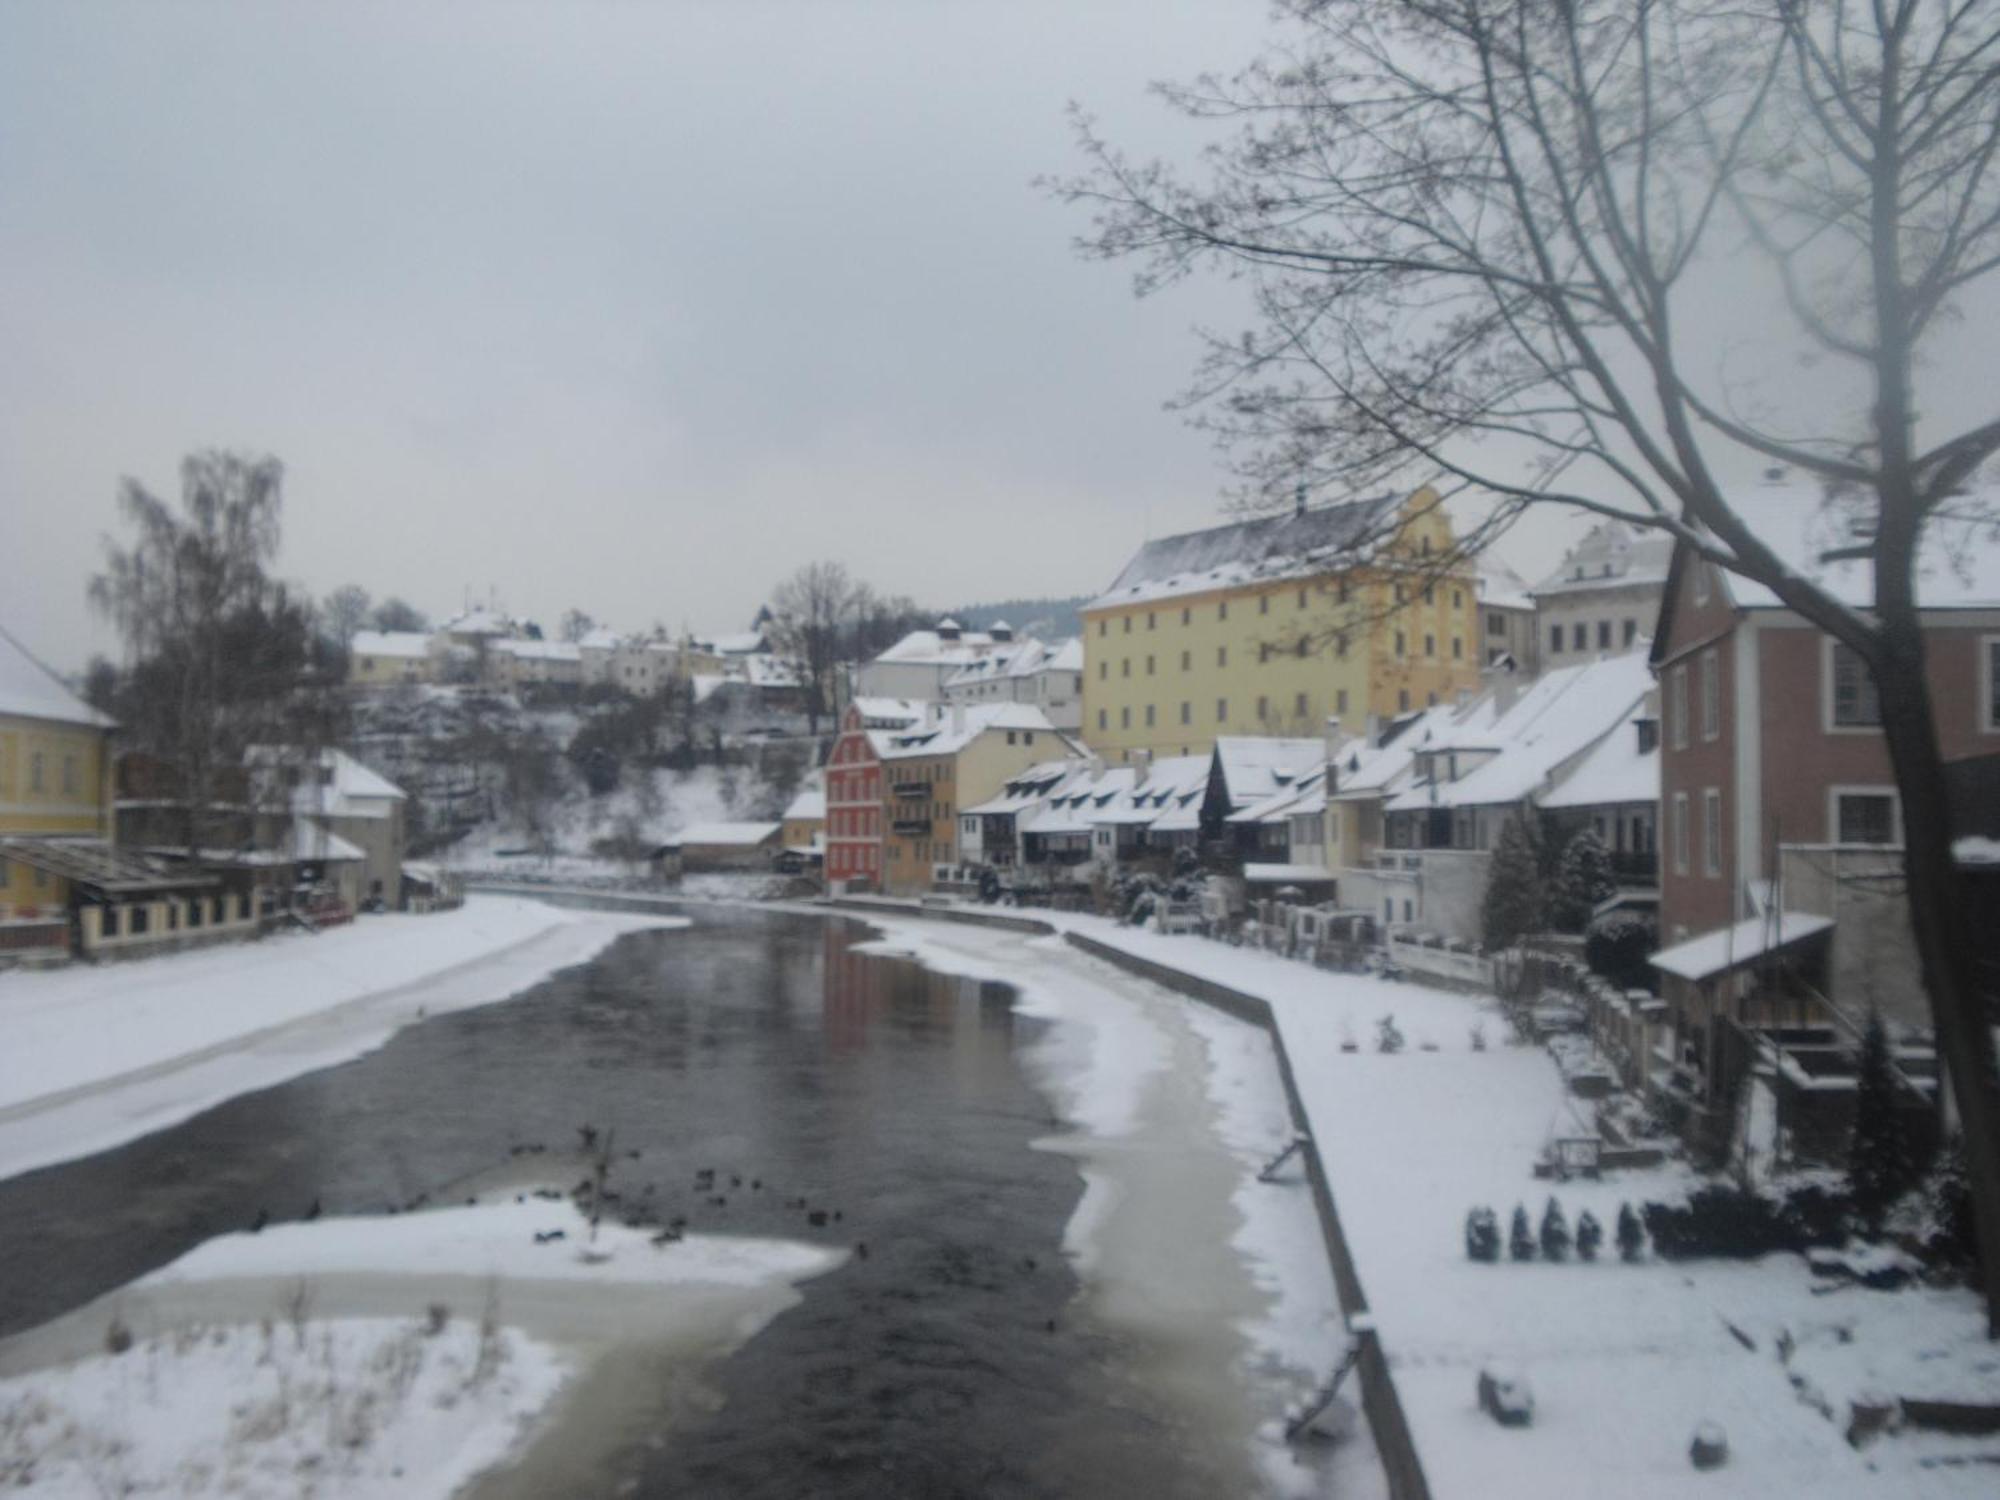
{"type": "Point", "coordinates": [911, 789]}
{"type": "Point", "coordinates": [910, 827]}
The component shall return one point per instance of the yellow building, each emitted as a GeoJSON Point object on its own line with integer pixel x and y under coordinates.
{"type": "Point", "coordinates": [1273, 626]}
{"type": "Point", "coordinates": [55, 776]}
{"type": "Point", "coordinates": [951, 758]}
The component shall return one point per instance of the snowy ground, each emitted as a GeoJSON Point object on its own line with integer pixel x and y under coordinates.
{"type": "Point", "coordinates": [1624, 1360]}
{"type": "Point", "coordinates": [101, 1054]}
{"type": "Point", "coordinates": [307, 1360]}
{"type": "Point", "coordinates": [1217, 1282]}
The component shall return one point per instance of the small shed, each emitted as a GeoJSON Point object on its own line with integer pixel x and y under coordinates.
{"type": "Point", "coordinates": [710, 848]}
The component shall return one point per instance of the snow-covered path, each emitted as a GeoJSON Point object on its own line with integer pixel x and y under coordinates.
{"type": "Point", "coordinates": [98, 1055]}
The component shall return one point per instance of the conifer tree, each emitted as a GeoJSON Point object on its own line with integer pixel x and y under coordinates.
{"type": "Point", "coordinates": [1513, 905]}
{"type": "Point", "coordinates": [1521, 1236]}
{"type": "Point", "coordinates": [1583, 878]}
{"type": "Point", "coordinates": [1882, 1161]}
{"type": "Point", "coordinates": [1555, 1232]}
{"type": "Point", "coordinates": [1589, 1235]}
{"type": "Point", "coordinates": [1631, 1234]}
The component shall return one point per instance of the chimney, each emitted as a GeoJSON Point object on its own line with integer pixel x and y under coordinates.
{"type": "Point", "coordinates": [1143, 759]}
{"type": "Point", "coordinates": [958, 718]}
{"type": "Point", "coordinates": [1373, 729]}
{"type": "Point", "coordinates": [1096, 764]}
{"type": "Point", "coordinates": [1336, 738]}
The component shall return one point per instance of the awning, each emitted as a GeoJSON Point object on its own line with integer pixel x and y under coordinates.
{"type": "Point", "coordinates": [1728, 948]}
{"type": "Point", "coordinates": [97, 865]}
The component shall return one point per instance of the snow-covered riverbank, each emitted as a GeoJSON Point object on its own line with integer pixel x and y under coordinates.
{"type": "Point", "coordinates": [364, 1357]}
{"type": "Point", "coordinates": [1624, 1360]}
{"type": "Point", "coordinates": [97, 1055]}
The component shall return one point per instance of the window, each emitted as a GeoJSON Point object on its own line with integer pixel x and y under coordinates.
{"type": "Point", "coordinates": [1711, 695]}
{"type": "Point", "coordinates": [1263, 604]}
{"type": "Point", "coordinates": [1187, 712]}
{"type": "Point", "coordinates": [1555, 638]}
{"type": "Point", "coordinates": [1400, 643]}
{"type": "Point", "coordinates": [1302, 598]}
{"type": "Point", "coordinates": [1496, 624]}
{"type": "Point", "coordinates": [1150, 620]}
{"type": "Point", "coordinates": [1677, 706]}
{"type": "Point", "coordinates": [1457, 648]}
{"type": "Point", "coordinates": [1221, 709]}
{"type": "Point", "coordinates": [1128, 624]}
{"type": "Point", "coordinates": [1603, 635]}
{"type": "Point", "coordinates": [1457, 599]}
{"type": "Point", "coordinates": [1579, 636]}
{"type": "Point", "coordinates": [1403, 700]}
{"type": "Point", "coordinates": [1301, 707]}
{"type": "Point", "coordinates": [1103, 671]}
{"type": "Point", "coordinates": [1680, 833]}
{"type": "Point", "coordinates": [1149, 666]}
{"type": "Point", "coordinates": [1430, 645]}
{"type": "Point", "coordinates": [1187, 661]}
{"type": "Point", "coordinates": [69, 773]}
{"type": "Point", "coordinates": [1340, 701]}
{"type": "Point", "coordinates": [1222, 656]}
{"type": "Point", "coordinates": [1400, 595]}
{"type": "Point", "coordinates": [1149, 716]}
{"type": "Point", "coordinates": [1340, 644]}
{"type": "Point", "coordinates": [1103, 719]}
{"type": "Point", "coordinates": [1343, 591]}
{"type": "Point", "coordinates": [1865, 817]}
{"type": "Point", "coordinates": [1125, 667]}
{"type": "Point", "coordinates": [1263, 708]}
{"type": "Point", "coordinates": [1222, 610]}
{"type": "Point", "coordinates": [35, 772]}
{"type": "Point", "coordinates": [1263, 651]}
{"type": "Point", "coordinates": [1856, 704]}
{"type": "Point", "coordinates": [1102, 627]}
{"type": "Point", "coordinates": [1010, 736]}
{"type": "Point", "coordinates": [1711, 832]}
{"type": "Point", "coordinates": [1187, 617]}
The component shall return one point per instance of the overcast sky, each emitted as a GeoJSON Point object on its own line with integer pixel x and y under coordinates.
{"type": "Point", "coordinates": [633, 308]}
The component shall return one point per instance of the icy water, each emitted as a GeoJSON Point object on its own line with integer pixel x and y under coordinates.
{"type": "Point", "coordinates": [944, 1361]}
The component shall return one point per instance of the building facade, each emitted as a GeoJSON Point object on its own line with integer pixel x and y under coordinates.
{"type": "Point", "coordinates": [1274, 626]}
{"type": "Point", "coordinates": [1604, 597]}
{"type": "Point", "coordinates": [952, 758]}
{"type": "Point", "coordinates": [55, 776]}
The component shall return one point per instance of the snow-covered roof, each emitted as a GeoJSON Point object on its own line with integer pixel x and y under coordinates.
{"type": "Point", "coordinates": [1255, 767]}
{"type": "Point", "coordinates": [398, 643]}
{"type": "Point", "coordinates": [947, 730]}
{"type": "Point", "coordinates": [929, 648]}
{"type": "Point", "coordinates": [480, 622]}
{"type": "Point", "coordinates": [1500, 587]}
{"type": "Point", "coordinates": [531, 650]}
{"type": "Point", "coordinates": [706, 684]}
{"type": "Point", "coordinates": [1169, 797]}
{"type": "Point", "coordinates": [1269, 548]}
{"type": "Point", "coordinates": [1026, 789]}
{"type": "Point", "coordinates": [30, 690]}
{"type": "Point", "coordinates": [1614, 770]}
{"type": "Point", "coordinates": [1726, 948]}
{"type": "Point", "coordinates": [1612, 554]}
{"type": "Point", "coordinates": [735, 835]}
{"type": "Point", "coordinates": [764, 671]}
{"type": "Point", "coordinates": [1958, 561]}
{"type": "Point", "coordinates": [1302, 797]}
{"type": "Point", "coordinates": [1275, 874]}
{"type": "Point", "coordinates": [887, 713]}
{"type": "Point", "coordinates": [1363, 770]}
{"type": "Point", "coordinates": [347, 789]}
{"type": "Point", "coordinates": [310, 842]}
{"type": "Point", "coordinates": [742, 643]}
{"type": "Point", "coordinates": [1023, 658]}
{"type": "Point", "coordinates": [1066, 656]}
{"type": "Point", "coordinates": [1560, 715]}
{"type": "Point", "coordinates": [810, 803]}
{"type": "Point", "coordinates": [601, 638]}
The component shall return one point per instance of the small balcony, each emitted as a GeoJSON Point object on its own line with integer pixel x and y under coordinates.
{"type": "Point", "coordinates": [910, 828]}
{"type": "Point", "coordinates": [911, 789]}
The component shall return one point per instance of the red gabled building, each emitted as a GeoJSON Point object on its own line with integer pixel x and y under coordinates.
{"type": "Point", "coordinates": [854, 791]}
{"type": "Point", "coordinates": [1780, 831]}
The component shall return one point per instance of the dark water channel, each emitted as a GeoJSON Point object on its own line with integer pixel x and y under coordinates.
{"type": "Point", "coordinates": [945, 1362]}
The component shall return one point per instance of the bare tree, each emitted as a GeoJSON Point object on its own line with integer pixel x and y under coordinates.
{"type": "Point", "coordinates": [1496, 242]}
{"type": "Point", "coordinates": [346, 610]}
{"type": "Point", "coordinates": [220, 658]}
{"type": "Point", "coordinates": [807, 612]}
{"type": "Point", "coordinates": [575, 625]}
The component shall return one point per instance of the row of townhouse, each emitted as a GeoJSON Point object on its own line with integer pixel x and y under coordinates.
{"type": "Point", "coordinates": [486, 647]}
{"type": "Point", "coordinates": [102, 853]}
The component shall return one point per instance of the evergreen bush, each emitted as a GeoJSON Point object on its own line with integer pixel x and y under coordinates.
{"type": "Point", "coordinates": [1555, 1233]}
{"type": "Point", "coordinates": [1521, 1236]}
{"type": "Point", "coordinates": [1631, 1237]}
{"type": "Point", "coordinates": [1617, 946]}
{"type": "Point", "coordinates": [1589, 1235]}
{"type": "Point", "coordinates": [1482, 1235]}
{"type": "Point", "coordinates": [1883, 1161]}
{"type": "Point", "coordinates": [1512, 907]}
{"type": "Point", "coordinates": [1583, 878]}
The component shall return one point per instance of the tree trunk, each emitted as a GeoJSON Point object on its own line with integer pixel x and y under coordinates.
{"type": "Point", "coordinates": [1943, 934]}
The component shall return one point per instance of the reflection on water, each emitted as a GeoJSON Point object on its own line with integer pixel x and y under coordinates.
{"type": "Point", "coordinates": [812, 1079]}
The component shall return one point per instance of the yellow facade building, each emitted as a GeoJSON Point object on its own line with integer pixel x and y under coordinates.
{"type": "Point", "coordinates": [55, 775]}
{"type": "Point", "coordinates": [1273, 626]}
{"type": "Point", "coordinates": [952, 758]}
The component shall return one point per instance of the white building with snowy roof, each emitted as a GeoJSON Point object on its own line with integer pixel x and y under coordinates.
{"type": "Point", "coordinates": [922, 662]}
{"type": "Point", "coordinates": [1026, 671]}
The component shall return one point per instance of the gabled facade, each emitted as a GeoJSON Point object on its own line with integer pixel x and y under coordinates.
{"type": "Point", "coordinates": [55, 777]}
{"type": "Point", "coordinates": [1605, 595]}
{"type": "Point", "coordinates": [854, 792]}
{"type": "Point", "coordinates": [1273, 626]}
